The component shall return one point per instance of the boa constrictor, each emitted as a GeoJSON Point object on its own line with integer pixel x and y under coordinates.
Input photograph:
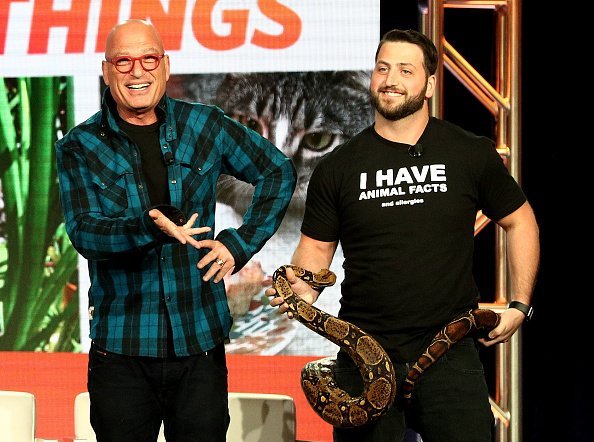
{"type": "Point", "coordinates": [327, 399]}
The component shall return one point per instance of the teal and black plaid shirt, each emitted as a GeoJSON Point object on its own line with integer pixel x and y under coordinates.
{"type": "Point", "coordinates": [133, 265]}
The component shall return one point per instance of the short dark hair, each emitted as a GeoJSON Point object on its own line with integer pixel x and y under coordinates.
{"type": "Point", "coordinates": [416, 38]}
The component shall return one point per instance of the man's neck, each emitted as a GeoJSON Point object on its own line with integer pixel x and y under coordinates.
{"type": "Point", "coordinates": [407, 130]}
{"type": "Point", "coordinates": [138, 118]}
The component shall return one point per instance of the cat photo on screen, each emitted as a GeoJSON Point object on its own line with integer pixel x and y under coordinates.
{"type": "Point", "coordinates": [306, 115]}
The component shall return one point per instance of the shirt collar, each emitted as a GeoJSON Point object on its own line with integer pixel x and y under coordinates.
{"type": "Point", "coordinates": [109, 115]}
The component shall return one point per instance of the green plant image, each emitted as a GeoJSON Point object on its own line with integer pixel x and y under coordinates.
{"type": "Point", "coordinates": [38, 264]}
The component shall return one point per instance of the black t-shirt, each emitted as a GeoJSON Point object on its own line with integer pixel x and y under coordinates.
{"type": "Point", "coordinates": [406, 226]}
{"type": "Point", "coordinates": [153, 165]}
{"type": "Point", "coordinates": [154, 171]}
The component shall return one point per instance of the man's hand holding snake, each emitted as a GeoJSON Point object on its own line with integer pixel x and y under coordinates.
{"type": "Point", "coordinates": [300, 287]}
{"type": "Point", "coordinates": [511, 320]}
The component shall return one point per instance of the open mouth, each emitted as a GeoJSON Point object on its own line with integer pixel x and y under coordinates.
{"type": "Point", "coordinates": [138, 87]}
{"type": "Point", "coordinates": [393, 93]}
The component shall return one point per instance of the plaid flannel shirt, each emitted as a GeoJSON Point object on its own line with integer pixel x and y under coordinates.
{"type": "Point", "coordinates": [133, 266]}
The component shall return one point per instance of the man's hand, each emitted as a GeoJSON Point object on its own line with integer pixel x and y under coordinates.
{"type": "Point", "coordinates": [220, 259]}
{"type": "Point", "coordinates": [184, 234]}
{"type": "Point", "coordinates": [511, 320]}
{"type": "Point", "coordinates": [301, 289]}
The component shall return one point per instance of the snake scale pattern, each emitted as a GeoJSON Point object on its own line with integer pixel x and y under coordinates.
{"type": "Point", "coordinates": [470, 322]}
{"type": "Point", "coordinates": [328, 400]}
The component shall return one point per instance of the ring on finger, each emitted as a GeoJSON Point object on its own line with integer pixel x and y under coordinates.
{"type": "Point", "coordinates": [220, 262]}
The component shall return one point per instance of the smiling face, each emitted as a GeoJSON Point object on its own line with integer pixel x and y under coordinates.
{"type": "Point", "coordinates": [138, 92]}
{"type": "Point", "coordinates": [399, 84]}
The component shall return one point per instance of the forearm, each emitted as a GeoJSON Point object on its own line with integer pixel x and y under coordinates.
{"type": "Point", "coordinates": [272, 194]}
{"type": "Point", "coordinates": [101, 238]}
{"type": "Point", "coordinates": [256, 162]}
{"type": "Point", "coordinates": [313, 255]}
{"type": "Point", "coordinates": [523, 249]}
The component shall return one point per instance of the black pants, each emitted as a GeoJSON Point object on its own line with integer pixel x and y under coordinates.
{"type": "Point", "coordinates": [131, 396]}
{"type": "Point", "coordinates": [450, 401]}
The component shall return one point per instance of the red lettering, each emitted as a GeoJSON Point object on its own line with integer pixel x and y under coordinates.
{"type": "Point", "coordinates": [169, 20]}
{"type": "Point", "coordinates": [4, 11]}
{"type": "Point", "coordinates": [45, 18]}
{"type": "Point", "coordinates": [202, 28]}
{"type": "Point", "coordinates": [169, 24]}
{"type": "Point", "coordinates": [286, 17]}
{"type": "Point", "coordinates": [108, 18]}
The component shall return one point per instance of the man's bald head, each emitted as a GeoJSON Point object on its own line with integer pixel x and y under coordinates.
{"type": "Point", "coordinates": [129, 27]}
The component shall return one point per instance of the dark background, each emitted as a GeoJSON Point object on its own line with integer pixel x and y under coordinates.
{"type": "Point", "coordinates": [557, 395]}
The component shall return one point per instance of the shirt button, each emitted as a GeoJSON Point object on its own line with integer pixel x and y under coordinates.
{"type": "Point", "coordinates": [165, 146]}
{"type": "Point", "coordinates": [140, 186]}
{"type": "Point", "coordinates": [169, 298]}
{"type": "Point", "coordinates": [173, 181]}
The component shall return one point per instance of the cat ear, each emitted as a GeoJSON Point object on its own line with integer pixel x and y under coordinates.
{"type": "Point", "coordinates": [360, 79]}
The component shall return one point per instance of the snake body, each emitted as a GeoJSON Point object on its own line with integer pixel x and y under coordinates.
{"type": "Point", "coordinates": [469, 322]}
{"type": "Point", "coordinates": [328, 400]}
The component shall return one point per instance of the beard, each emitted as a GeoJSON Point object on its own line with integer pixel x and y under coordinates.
{"type": "Point", "coordinates": [400, 111]}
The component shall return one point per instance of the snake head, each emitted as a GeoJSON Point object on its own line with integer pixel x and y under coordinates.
{"type": "Point", "coordinates": [325, 277]}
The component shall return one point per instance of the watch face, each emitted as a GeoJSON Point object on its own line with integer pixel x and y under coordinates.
{"type": "Point", "coordinates": [530, 313]}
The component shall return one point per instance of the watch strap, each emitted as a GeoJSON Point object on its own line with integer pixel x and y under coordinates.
{"type": "Point", "coordinates": [528, 310]}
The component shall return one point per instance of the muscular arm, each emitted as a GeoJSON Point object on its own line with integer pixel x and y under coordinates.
{"type": "Point", "coordinates": [523, 249]}
{"type": "Point", "coordinates": [312, 254]}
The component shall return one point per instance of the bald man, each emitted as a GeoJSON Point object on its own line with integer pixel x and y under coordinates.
{"type": "Point", "coordinates": [134, 180]}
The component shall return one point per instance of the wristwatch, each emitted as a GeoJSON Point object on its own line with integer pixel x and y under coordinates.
{"type": "Point", "coordinates": [528, 310]}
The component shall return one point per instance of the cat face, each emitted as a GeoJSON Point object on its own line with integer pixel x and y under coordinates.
{"type": "Point", "coordinates": [304, 114]}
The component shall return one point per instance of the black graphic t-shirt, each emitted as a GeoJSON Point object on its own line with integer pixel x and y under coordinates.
{"type": "Point", "coordinates": [406, 226]}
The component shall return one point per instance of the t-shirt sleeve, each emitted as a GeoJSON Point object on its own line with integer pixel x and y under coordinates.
{"type": "Point", "coordinates": [320, 220]}
{"type": "Point", "coordinates": [499, 193]}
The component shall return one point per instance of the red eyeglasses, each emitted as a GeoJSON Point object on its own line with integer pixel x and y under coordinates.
{"type": "Point", "coordinates": [125, 64]}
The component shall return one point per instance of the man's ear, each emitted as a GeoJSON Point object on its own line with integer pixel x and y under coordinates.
{"type": "Point", "coordinates": [166, 60]}
{"type": "Point", "coordinates": [105, 68]}
{"type": "Point", "coordinates": [431, 81]}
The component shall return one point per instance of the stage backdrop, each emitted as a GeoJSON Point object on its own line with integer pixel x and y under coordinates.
{"type": "Point", "coordinates": [295, 71]}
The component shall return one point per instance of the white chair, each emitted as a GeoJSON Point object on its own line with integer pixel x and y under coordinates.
{"type": "Point", "coordinates": [258, 417]}
{"type": "Point", "coordinates": [17, 416]}
{"type": "Point", "coordinates": [255, 417]}
{"type": "Point", "coordinates": [83, 431]}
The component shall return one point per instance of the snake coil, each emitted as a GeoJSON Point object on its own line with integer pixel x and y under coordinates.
{"type": "Point", "coordinates": [327, 399]}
